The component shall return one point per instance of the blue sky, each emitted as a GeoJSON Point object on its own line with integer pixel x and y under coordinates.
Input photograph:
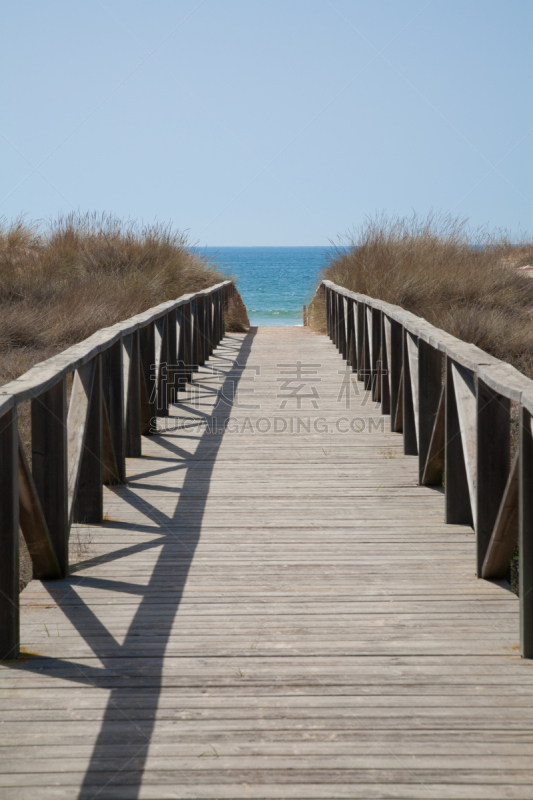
{"type": "Point", "coordinates": [268, 122]}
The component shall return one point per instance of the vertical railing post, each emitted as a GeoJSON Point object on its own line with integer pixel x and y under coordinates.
{"type": "Point", "coordinates": [194, 335]}
{"type": "Point", "coordinates": [49, 464]}
{"type": "Point", "coordinates": [342, 327]}
{"type": "Point", "coordinates": [209, 325]}
{"type": "Point", "coordinates": [172, 354]}
{"type": "Point", "coordinates": [188, 335]}
{"type": "Point", "coordinates": [218, 316]}
{"type": "Point", "coordinates": [366, 359]}
{"type": "Point", "coordinates": [360, 322]}
{"type": "Point", "coordinates": [457, 497]}
{"type": "Point", "coordinates": [148, 374]}
{"type": "Point", "coordinates": [332, 315]}
{"type": "Point", "coordinates": [376, 354]}
{"type": "Point", "coordinates": [197, 333]}
{"type": "Point", "coordinates": [385, 369]}
{"type": "Point", "coordinates": [221, 329]}
{"type": "Point", "coordinates": [225, 304]}
{"type": "Point", "coordinates": [161, 365]}
{"type": "Point", "coordinates": [396, 376]}
{"type": "Point", "coordinates": [9, 535]}
{"type": "Point", "coordinates": [184, 346]}
{"type": "Point", "coordinates": [333, 319]}
{"type": "Point", "coordinates": [410, 447]}
{"type": "Point", "coordinates": [493, 459]}
{"type": "Point", "coordinates": [89, 501]}
{"type": "Point", "coordinates": [113, 390]}
{"type": "Point", "coordinates": [351, 354]}
{"type": "Point", "coordinates": [132, 395]}
{"type": "Point", "coordinates": [205, 329]}
{"type": "Point", "coordinates": [525, 534]}
{"type": "Point", "coordinates": [430, 364]}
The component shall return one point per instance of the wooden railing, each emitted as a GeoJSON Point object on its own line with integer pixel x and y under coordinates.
{"type": "Point", "coordinates": [456, 407]}
{"type": "Point", "coordinates": [122, 377]}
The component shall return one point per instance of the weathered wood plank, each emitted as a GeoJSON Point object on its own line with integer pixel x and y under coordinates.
{"type": "Point", "coordinates": [294, 599]}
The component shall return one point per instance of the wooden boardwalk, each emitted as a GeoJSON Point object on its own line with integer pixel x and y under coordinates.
{"type": "Point", "coordinates": [269, 614]}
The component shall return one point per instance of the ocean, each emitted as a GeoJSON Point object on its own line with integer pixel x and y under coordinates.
{"type": "Point", "coordinates": [275, 282]}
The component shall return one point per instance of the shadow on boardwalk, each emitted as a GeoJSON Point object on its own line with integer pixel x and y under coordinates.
{"type": "Point", "coordinates": [133, 671]}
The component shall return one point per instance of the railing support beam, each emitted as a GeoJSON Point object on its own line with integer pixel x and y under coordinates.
{"type": "Point", "coordinates": [525, 533]}
{"type": "Point", "coordinates": [9, 536]}
{"type": "Point", "coordinates": [493, 463]}
{"type": "Point", "coordinates": [49, 464]}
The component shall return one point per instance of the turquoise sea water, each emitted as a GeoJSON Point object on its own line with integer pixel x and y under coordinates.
{"type": "Point", "coordinates": [275, 282]}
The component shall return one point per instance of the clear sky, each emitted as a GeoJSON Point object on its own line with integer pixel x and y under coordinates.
{"type": "Point", "coordinates": [268, 122]}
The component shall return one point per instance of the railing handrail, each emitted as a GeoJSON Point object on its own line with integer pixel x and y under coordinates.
{"type": "Point", "coordinates": [123, 377]}
{"type": "Point", "coordinates": [43, 375]}
{"type": "Point", "coordinates": [499, 375]}
{"type": "Point", "coordinates": [452, 403]}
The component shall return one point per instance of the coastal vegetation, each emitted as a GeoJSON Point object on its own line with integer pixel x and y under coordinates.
{"type": "Point", "coordinates": [476, 286]}
{"type": "Point", "coordinates": [468, 284]}
{"type": "Point", "coordinates": [61, 282]}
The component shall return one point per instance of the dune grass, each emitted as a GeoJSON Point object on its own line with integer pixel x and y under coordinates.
{"type": "Point", "coordinates": [466, 283]}
{"type": "Point", "coordinates": [81, 273]}
{"type": "Point", "coordinates": [469, 285]}
{"type": "Point", "coordinates": [61, 282]}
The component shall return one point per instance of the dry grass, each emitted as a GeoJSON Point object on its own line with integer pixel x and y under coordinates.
{"type": "Point", "coordinates": [467, 285]}
{"type": "Point", "coordinates": [316, 313]}
{"type": "Point", "coordinates": [82, 273]}
{"type": "Point", "coordinates": [236, 315]}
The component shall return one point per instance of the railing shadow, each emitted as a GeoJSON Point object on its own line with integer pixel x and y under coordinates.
{"type": "Point", "coordinates": [133, 670]}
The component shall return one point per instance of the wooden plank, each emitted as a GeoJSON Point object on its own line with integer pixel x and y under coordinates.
{"type": "Point", "coordinates": [250, 586]}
